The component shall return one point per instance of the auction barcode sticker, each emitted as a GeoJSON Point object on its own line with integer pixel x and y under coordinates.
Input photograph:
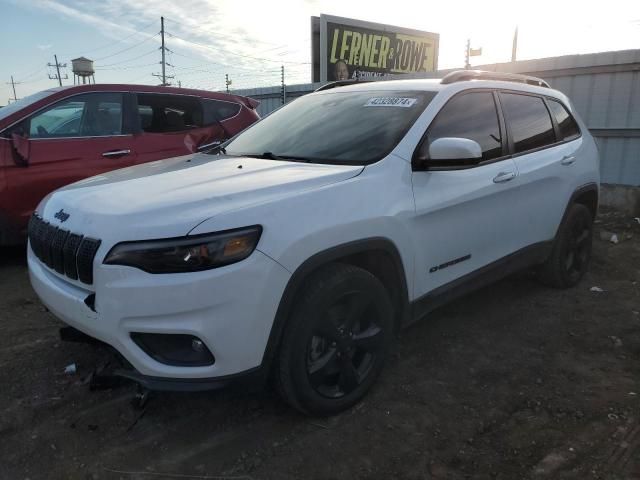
{"type": "Point", "coordinates": [390, 102]}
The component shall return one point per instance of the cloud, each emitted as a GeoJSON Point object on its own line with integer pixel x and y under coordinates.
{"type": "Point", "coordinates": [216, 35]}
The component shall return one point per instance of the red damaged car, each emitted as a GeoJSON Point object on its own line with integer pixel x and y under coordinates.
{"type": "Point", "coordinates": [59, 136]}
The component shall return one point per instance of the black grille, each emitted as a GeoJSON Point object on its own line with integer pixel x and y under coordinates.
{"type": "Point", "coordinates": [65, 252]}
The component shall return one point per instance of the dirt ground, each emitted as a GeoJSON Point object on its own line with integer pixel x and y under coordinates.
{"type": "Point", "coordinates": [514, 381]}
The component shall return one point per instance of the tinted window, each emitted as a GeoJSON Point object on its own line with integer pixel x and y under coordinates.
{"type": "Point", "coordinates": [335, 127]}
{"type": "Point", "coordinates": [529, 121]}
{"type": "Point", "coordinates": [568, 126]}
{"type": "Point", "coordinates": [88, 115]}
{"type": "Point", "coordinates": [473, 116]}
{"type": "Point", "coordinates": [168, 113]}
{"type": "Point", "coordinates": [216, 110]}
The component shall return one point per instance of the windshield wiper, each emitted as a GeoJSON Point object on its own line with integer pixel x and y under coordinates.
{"type": "Point", "coordinates": [273, 156]}
{"type": "Point", "coordinates": [215, 150]}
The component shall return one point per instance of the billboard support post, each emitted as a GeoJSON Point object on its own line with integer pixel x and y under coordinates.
{"type": "Point", "coordinates": [467, 65]}
{"type": "Point", "coordinates": [283, 87]}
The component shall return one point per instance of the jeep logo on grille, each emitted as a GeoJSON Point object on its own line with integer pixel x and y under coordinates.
{"type": "Point", "coordinates": [62, 215]}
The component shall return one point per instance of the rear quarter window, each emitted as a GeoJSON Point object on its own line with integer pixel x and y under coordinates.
{"type": "Point", "coordinates": [566, 123]}
{"type": "Point", "coordinates": [217, 110]}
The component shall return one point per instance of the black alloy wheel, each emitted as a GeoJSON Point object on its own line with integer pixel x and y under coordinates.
{"type": "Point", "coordinates": [571, 253]}
{"type": "Point", "coordinates": [578, 248]}
{"type": "Point", "coordinates": [343, 349]}
{"type": "Point", "coordinates": [336, 340]}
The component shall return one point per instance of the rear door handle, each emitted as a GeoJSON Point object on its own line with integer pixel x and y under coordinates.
{"type": "Point", "coordinates": [116, 153]}
{"type": "Point", "coordinates": [567, 160]}
{"type": "Point", "coordinates": [504, 177]}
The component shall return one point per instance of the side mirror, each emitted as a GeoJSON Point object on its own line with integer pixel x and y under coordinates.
{"type": "Point", "coordinates": [454, 149]}
{"type": "Point", "coordinates": [448, 152]}
{"type": "Point", "coordinates": [21, 148]}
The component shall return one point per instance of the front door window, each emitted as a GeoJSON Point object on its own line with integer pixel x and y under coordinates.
{"type": "Point", "coordinates": [86, 115]}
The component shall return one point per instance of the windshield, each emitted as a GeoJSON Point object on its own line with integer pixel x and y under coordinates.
{"type": "Point", "coordinates": [336, 127]}
{"type": "Point", "coordinates": [23, 102]}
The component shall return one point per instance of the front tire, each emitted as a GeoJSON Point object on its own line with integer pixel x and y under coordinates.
{"type": "Point", "coordinates": [336, 340]}
{"type": "Point", "coordinates": [571, 254]}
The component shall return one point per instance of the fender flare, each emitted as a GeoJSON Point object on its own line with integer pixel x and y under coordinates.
{"type": "Point", "coordinates": [588, 187]}
{"type": "Point", "coordinates": [295, 283]}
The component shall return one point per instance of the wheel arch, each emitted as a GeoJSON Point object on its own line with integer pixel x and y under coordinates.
{"type": "Point", "coordinates": [377, 255]}
{"type": "Point", "coordinates": [587, 195]}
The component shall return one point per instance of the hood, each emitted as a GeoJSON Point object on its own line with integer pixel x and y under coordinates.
{"type": "Point", "coordinates": [170, 197]}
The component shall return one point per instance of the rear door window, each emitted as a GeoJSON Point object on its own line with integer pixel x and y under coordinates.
{"type": "Point", "coordinates": [218, 110]}
{"type": "Point", "coordinates": [528, 120]}
{"type": "Point", "coordinates": [473, 116]}
{"type": "Point", "coordinates": [160, 113]}
{"type": "Point", "coordinates": [566, 123]}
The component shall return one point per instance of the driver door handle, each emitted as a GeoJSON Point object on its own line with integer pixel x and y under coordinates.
{"type": "Point", "coordinates": [567, 160]}
{"type": "Point", "coordinates": [504, 177]}
{"type": "Point", "coordinates": [116, 153]}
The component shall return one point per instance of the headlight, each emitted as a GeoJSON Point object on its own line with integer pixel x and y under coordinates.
{"type": "Point", "coordinates": [187, 254]}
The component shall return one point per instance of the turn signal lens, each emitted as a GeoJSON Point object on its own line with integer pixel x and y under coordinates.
{"type": "Point", "coordinates": [236, 246]}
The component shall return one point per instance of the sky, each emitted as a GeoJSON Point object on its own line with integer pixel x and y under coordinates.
{"type": "Point", "coordinates": [251, 39]}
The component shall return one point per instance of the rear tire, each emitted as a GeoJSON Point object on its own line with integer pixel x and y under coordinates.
{"type": "Point", "coordinates": [336, 340]}
{"type": "Point", "coordinates": [571, 254]}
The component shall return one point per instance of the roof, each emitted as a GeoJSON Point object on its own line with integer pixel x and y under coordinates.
{"type": "Point", "coordinates": [59, 93]}
{"type": "Point", "coordinates": [390, 85]}
{"type": "Point", "coordinates": [123, 87]}
{"type": "Point", "coordinates": [435, 85]}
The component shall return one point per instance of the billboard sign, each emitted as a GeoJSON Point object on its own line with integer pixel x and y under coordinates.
{"type": "Point", "coordinates": [344, 48]}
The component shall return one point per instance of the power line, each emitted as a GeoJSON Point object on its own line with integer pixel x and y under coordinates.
{"type": "Point", "coordinates": [238, 74]}
{"type": "Point", "coordinates": [119, 41]}
{"type": "Point", "coordinates": [36, 72]}
{"type": "Point", "coordinates": [218, 65]}
{"type": "Point", "coordinates": [214, 35]}
{"type": "Point", "coordinates": [128, 48]}
{"type": "Point", "coordinates": [130, 59]}
{"type": "Point", "coordinates": [138, 78]}
{"type": "Point", "coordinates": [239, 54]}
{"type": "Point", "coordinates": [129, 67]}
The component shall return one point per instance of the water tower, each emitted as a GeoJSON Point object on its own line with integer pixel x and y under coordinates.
{"type": "Point", "coordinates": [83, 69]}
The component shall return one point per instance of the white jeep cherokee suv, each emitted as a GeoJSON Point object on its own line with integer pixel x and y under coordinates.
{"type": "Point", "coordinates": [297, 249]}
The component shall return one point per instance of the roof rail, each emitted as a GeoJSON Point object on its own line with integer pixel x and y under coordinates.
{"type": "Point", "coordinates": [464, 75]}
{"type": "Point", "coordinates": [339, 83]}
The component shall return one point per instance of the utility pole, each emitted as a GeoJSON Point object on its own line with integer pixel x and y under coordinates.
{"type": "Point", "coordinates": [13, 85]}
{"type": "Point", "coordinates": [227, 82]}
{"type": "Point", "coordinates": [57, 65]}
{"type": "Point", "coordinates": [283, 88]}
{"type": "Point", "coordinates": [163, 76]}
{"type": "Point", "coordinates": [514, 47]}
{"type": "Point", "coordinates": [467, 65]}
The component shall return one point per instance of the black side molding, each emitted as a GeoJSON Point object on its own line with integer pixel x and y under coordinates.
{"type": "Point", "coordinates": [526, 257]}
